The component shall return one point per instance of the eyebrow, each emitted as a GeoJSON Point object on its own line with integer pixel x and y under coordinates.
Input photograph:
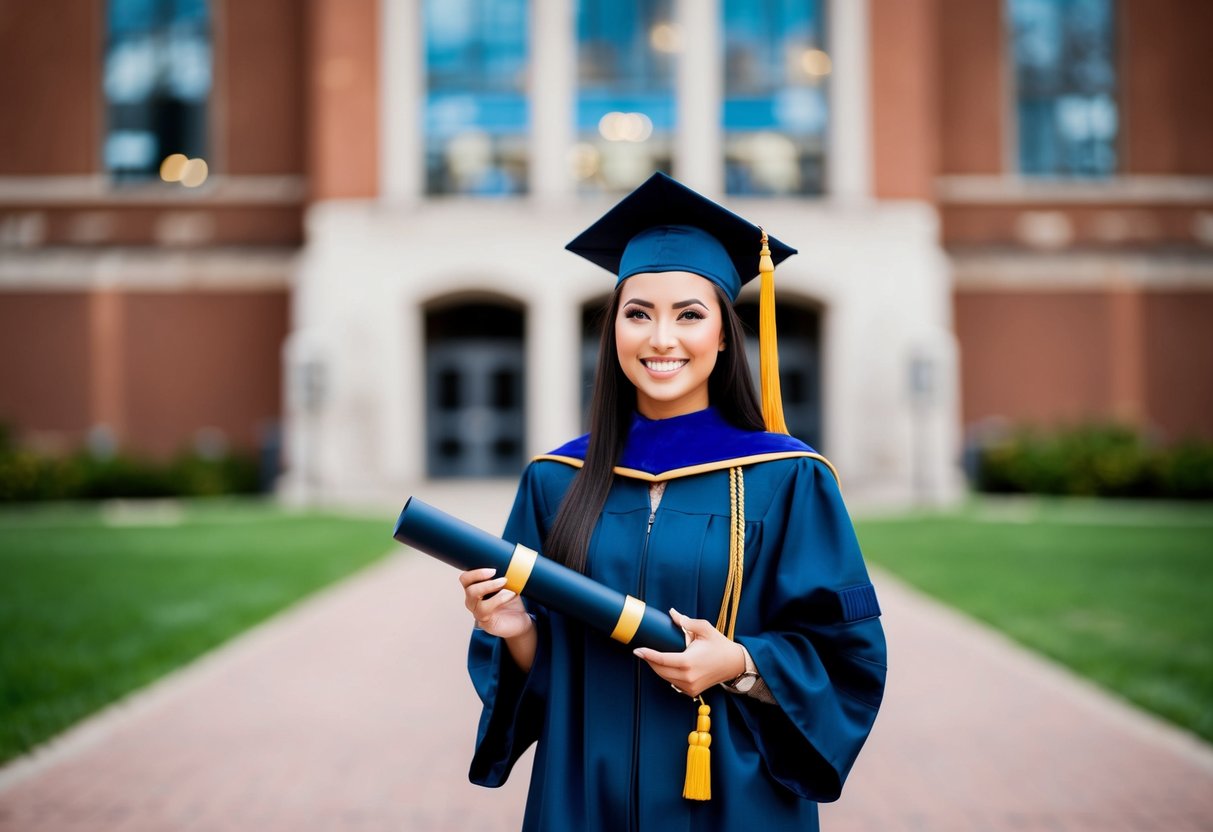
{"type": "Point", "coordinates": [682, 304]}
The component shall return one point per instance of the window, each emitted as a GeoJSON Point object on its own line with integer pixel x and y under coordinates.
{"type": "Point", "coordinates": [1065, 77]}
{"type": "Point", "coordinates": [476, 112]}
{"type": "Point", "coordinates": [157, 79]}
{"type": "Point", "coordinates": [775, 103]}
{"type": "Point", "coordinates": [625, 97]}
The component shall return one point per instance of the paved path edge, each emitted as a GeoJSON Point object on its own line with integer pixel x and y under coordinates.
{"type": "Point", "coordinates": [99, 725]}
{"type": "Point", "coordinates": [1059, 678]}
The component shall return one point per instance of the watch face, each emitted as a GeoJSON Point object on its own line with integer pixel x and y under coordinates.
{"type": "Point", "coordinates": [746, 682]}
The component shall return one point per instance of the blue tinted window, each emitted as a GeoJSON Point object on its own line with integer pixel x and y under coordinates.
{"type": "Point", "coordinates": [1065, 75]}
{"type": "Point", "coordinates": [476, 113]}
{"type": "Point", "coordinates": [157, 80]}
{"type": "Point", "coordinates": [775, 104]}
{"type": "Point", "coordinates": [625, 94]}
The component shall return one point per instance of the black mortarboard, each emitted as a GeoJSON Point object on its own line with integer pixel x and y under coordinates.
{"type": "Point", "coordinates": [664, 226]}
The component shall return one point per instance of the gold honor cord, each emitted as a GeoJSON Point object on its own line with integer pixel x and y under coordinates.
{"type": "Point", "coordinates": [698, 782]}
{"type": "Point", "coordinates": [726, 621]}
{"type": "Point", "coordinates": [519, 570]}
{"type": "Point", "coordinates": [629, 620]}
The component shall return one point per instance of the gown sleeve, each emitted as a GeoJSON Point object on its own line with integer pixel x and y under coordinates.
{"type": "Point", "coordinates": [820, 647]}
{"type": "Point", "coordinates": [512, 717]}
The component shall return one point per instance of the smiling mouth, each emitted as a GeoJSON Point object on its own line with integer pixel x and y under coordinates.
{"type": "Point", "coordinates": [663, 365]}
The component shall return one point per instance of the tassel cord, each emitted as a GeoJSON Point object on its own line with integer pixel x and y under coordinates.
{"type": "Point", "coordinates": [698, 782]}
{"type": "Point", "coordinates": [768, 343]}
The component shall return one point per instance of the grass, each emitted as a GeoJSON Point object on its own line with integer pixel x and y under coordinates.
{"type": "Point", "coordinates": [1122, 592]}
{"type": "Point", "coordinates": [96, 602]}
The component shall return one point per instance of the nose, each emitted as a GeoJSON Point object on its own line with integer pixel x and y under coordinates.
{"type": "Point", "coordinates": [661, 336]}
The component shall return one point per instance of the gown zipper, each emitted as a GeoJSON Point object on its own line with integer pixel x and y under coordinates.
{"type": "Point", "coordinates": [635, 813]}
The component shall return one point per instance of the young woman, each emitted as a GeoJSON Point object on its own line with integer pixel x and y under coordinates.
{"type": "Point", "coordinates": [682, 497]}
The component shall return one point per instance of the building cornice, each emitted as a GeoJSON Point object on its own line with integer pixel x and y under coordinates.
{"type": "Point", "coordinates": [1070, 271]}
{"type": "Point", "coordinates": [50, 269]}
{"type": "Point", "coordinates": [1007, 190]}
{"type": "Point", "coordinates": [97, 189]}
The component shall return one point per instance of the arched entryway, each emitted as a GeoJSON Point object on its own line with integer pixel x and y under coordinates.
{"type": "Point", "coordinates": [475, 372]}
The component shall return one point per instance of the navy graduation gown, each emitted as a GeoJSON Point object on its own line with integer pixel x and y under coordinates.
{"type": "Point", "coordinates": [611, 734]}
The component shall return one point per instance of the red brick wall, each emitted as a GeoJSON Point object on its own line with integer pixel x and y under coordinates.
{"type": "Point", "coordinates": [201, 359]}
{"type": "Point", "coordinates": [50, 87]}
{"type": "Point", "coordinates": [905, 118]}
{"type": "Point", "coordinates": [1166, 99]}
{"type": "Point", "coordinates": [1179, 362]}
{"type": "Point", "coordinates": [44, 369]}
{"type": "Point", "coordinates": [972, 77]}
{"type": "Point", "coordinates": [1064, 357]}
{"type": "Point", "coordinates": [155, 366]}
{"type": "Point", "coordinates": [343, 98]}
{"type": "Point", "coordinates": [259, 85]}
{"type": "Point", "coordinates": [1032, 356]}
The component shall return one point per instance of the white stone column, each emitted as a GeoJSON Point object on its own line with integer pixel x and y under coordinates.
{"type": "Point", "coordinates": [553, 369]}
{"type": "Point", "coordinates": [552, 88]}
{"type": "Point", "coordinates": [410, 389]}
{"type": "Point", "coordinates": [401, 102]}
{"type": "Point", "coordinates": [401, 385]}
{"type": "Point", "coordinates": [699, 93]}
{"type": "Point", "coordinates": [849, 159]}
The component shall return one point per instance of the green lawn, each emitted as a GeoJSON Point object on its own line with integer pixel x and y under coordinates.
{"type": "Point", "coordinates": [94, 604]}
{"type": "Point", "coordinates": [1122, 592]}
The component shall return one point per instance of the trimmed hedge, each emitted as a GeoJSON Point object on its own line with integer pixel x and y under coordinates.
{"type": "Point", "coordinates": [1096, 461]}
{"type": "Point", "coordinates": [26, 476]}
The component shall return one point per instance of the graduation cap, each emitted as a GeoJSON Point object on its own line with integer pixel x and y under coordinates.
{"type": "Point", "coordinates": [664, 226]}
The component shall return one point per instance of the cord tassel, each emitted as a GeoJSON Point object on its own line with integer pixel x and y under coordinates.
{"type": "Point", "coordinates": [698, 784]}
{"type": "Point", "coordinates": [768, 344]}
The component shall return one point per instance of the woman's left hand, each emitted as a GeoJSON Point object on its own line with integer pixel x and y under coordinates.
{"type": "Point", "coordinates": [710, 658]}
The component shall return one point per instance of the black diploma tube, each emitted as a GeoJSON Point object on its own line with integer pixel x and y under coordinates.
{"type": "Point", "coordinates": [462, 545]}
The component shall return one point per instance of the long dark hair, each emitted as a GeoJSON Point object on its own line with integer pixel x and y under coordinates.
{"type": "Point", "coordinates": [612, 403]}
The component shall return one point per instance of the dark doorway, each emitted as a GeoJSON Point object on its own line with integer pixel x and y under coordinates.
{"type": "Point", "coordinates": [475, 389]}
{"type": "Point", "coordinates": [799, 329]}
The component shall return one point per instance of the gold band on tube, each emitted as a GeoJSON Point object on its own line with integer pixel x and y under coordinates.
{"type": "Point", "coordinates": [519, 570]}
{"type": "Point", "coordinates": [629, 620]}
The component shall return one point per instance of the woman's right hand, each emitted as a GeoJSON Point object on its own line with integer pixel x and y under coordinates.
{"type": "Point", "coordinates": [503, 615]}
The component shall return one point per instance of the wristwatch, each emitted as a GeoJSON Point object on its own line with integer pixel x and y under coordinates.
{"type": "Point", "coordinates": [745, 680]}
{"type": "Point", "coordinates": [742, 683]}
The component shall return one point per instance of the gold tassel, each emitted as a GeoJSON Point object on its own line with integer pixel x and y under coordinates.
{"type": "Point", "coordinates": [698, 785]}
{"type": "Point", "coordinates": [768, 345]}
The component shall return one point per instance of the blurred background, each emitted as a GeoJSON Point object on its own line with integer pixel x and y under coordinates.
{"type": "Point", "coordinates": [326, 237]}
{"type": "Point", "coordinates": [314, 249]}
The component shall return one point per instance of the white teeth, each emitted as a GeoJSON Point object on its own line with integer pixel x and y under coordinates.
{"type": "Point", "coordinates": [663, 366]}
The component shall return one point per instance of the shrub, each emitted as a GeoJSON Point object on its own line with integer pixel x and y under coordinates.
{"type": "Point", "coordinates": [27, 476]}
{"type": "Point", "coordinates": [1186, 471]}
{"type": "Point", "coordinates": [1096, 461]}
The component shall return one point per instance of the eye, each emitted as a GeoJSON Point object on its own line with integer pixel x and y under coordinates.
{"type": "Point", "coordinates": [635, 312]}
{"type": "Point", "coordinates": [691, 315]}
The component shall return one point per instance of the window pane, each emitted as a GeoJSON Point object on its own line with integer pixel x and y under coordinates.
{"type": "Point", "coordinates": [476, 112]}
{"type": "Point", "coordinates": [1065, 73]}
{"type": "Point", "coordinates": [625, 94]}
{"type": "Point", "coordinates": [157, 80]}
{"type": "Point", "coordinates": [776, 108]}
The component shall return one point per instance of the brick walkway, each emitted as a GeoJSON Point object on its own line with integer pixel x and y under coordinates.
{"type": "Point", "coordinates": [352, 712]}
